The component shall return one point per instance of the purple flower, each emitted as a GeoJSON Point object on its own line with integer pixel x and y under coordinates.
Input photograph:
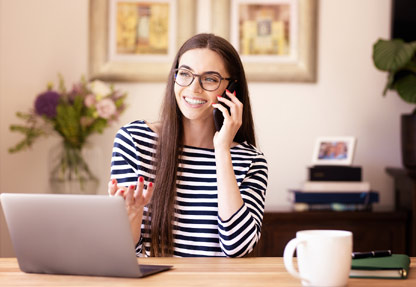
{"type": "Point", "coordinates": [46, 104]}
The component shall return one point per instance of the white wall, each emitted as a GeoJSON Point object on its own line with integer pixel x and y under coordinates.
{"type": "Point", "coordinates": [40, 38]}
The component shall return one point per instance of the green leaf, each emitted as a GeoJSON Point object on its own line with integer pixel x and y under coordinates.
{"type": "Point", "coordinates": [19, 128]}
{"type": "Point", "coordinates": [406, 87]}
{"type": "Point", "coordinates": [31, 134]}
{"type": "Point", "coordinates": [120, 101]}
{"type": "Point", "coordinates": [68, 124]}
{"type": "Point", "coordinates": [78, 104]}
{"type": "Point", "coordinates": [389, 84]}
{"type": "Point", "coordinates": [411, 66]}
{"type": "Point", "coordinates": [62, 88]}
{"type": "Point", "coordinates": [19, 146]}
{"type": "Point", "coordinates": [24, 116]}
{"type": "Point", "coordinates": [99, 125]}
{"type": "Point", "coordinates": [392, 55]}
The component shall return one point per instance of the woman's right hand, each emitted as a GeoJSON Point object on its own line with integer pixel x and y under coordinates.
{"type": "Point", "coordinates": [135, 198]}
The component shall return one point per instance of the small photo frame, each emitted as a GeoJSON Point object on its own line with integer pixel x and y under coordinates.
{"type": "Point", "coordinates": [334, 151]}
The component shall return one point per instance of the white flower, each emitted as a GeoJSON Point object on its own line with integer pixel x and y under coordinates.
{"type": "Point", "coordinates": [106, 108]}
{"type": "Point", "coordinates": [99, 88]}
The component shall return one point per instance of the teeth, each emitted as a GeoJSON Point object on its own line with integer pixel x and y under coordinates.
{"type": "Point", "coordinates": [194, 101]}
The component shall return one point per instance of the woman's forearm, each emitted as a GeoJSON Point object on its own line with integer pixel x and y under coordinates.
{"type": "Point", "coordinates": [229, 196]}
{"type": "Point", "coordinates": [136, 225]}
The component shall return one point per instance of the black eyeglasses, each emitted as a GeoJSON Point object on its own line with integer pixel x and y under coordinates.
{"type": "Point", "coordinates": [209, 81]}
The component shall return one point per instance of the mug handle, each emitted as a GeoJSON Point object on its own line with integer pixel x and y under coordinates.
{"type": "Point", "coordinates": [288, 257]}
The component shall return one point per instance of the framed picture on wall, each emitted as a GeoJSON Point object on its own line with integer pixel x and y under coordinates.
{"type": "Point", "coordinates": [134, 40]}
{"type": "Point", "coordinates": [334, 151]}
{"type": "Point", "coordinates": [275, 38]}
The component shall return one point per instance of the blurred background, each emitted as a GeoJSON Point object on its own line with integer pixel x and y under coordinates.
{"type": "Point", "coordinates": [39, 39]}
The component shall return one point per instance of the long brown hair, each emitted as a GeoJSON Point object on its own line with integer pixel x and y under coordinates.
{"type": "Point", "coordinates": [170, 139]}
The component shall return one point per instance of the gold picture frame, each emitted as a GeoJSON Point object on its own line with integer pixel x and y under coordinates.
{"type": "Point", "coordinates": [108, 64]}
{"type": "Point", "coordinates": [300, 63]}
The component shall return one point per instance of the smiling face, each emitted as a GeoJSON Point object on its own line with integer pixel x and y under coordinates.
{"type": "Point", "coordinates": [194, 102]}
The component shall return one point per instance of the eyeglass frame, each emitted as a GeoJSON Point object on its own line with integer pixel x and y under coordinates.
{"type": "Point", "coordinates": [199, 78]}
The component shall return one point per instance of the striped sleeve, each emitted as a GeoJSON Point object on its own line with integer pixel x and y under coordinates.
{"type": "Point", "coordinates": [241, 232]}
{"type": "Point", "coordinates": [133, 154]}
{"type": "Point", "coordinates": [124, 162]}
{"type": "Point", "coordinates": [132, 157]}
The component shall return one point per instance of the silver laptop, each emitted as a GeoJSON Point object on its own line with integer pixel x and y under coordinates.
{"type": "Point", "coordinates": [73, 234]}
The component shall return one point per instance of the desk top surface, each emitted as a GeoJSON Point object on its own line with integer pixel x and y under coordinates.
{"type": "Point", "coordinates": [258, 271]}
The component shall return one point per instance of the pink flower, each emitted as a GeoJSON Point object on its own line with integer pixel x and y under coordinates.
{"type": "Point", "coordinates": [86, 121]}
{"type": "Point", "coordinates": [117, 95]}
{"type": "Point", "coordinates": [76, 88]}
{"type": "Point", "coordinates": [106, 108]}
{"type": "Point", "coordinates": [89, 100]}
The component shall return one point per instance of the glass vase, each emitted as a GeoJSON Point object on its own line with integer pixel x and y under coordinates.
{"type": "Point", "coordinates": [70, 172]}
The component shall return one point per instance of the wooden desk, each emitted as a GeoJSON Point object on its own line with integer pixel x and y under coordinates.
{"type": "Point", "coordinates": [256, 271]}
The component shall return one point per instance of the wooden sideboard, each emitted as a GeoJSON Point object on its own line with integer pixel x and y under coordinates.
{"type": "Point", "coordinates": [405, 196]}
{"type": "Point", "coordinates": [371, 230]}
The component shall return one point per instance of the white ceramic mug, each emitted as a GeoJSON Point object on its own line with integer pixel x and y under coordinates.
{"type": "Point", "coordinates": [323, 256]}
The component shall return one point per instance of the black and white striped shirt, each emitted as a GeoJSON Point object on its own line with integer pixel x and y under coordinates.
{"type": "Point", "coordinates": [198, 230]}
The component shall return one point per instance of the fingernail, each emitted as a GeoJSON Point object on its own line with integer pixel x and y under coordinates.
{"type": "Point", "coordinates": [122, 191]}
{"type": "Point", "coordinates": [114, 181]}
{"type": "Point", "coordinates": [219, 96]}
{"type": "Point", "coordinates": [230, 92]}
{"type": "Point", "coordinates": [132, 186]}
{"type": "Point", "coordinates": [141, 179]}
{"type": "Point", "coordinates": [150, 184]}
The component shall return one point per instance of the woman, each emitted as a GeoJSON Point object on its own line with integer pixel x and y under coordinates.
{"type": "Point", "coordinates": [205, 189]}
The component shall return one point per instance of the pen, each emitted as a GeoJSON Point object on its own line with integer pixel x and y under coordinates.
{"type": "Point", "coordinates": [376, 253]}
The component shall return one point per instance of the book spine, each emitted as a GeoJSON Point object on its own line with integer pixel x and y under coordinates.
{"type": "Point", "coordinates": [331, 207]}
{"type": "Point", "coordinates": [322, 186]}
{"type": "Point", "coordinates": [337, 197]}
{"type": "Point", "coordinates": [335, 173]}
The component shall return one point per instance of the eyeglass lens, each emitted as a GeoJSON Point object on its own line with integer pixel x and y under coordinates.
{"type": "Point", "coordinates": [209, 81]}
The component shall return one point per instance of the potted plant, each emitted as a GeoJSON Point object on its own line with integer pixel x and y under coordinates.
{"type": "Point", "coordinates": [398, 58]}
{"type": "Point", "coordinates": [75, 114]}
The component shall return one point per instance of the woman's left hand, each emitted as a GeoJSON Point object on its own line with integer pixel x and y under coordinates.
{"type": "Point", "coordinates": [135, 198]}
{"type": "Point", "coordinates": [232, 121]}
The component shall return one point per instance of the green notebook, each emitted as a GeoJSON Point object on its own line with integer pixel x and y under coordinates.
{"type": "Point", "coordinates": [395, 266]}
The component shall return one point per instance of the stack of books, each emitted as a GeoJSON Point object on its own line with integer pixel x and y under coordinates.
{"type": "Point", "coordinates": [395, 266]}
{"type": "Point", "coordinates": [337, 188]}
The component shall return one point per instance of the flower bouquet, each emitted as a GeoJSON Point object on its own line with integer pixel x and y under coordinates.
{"type": "Point", "coordinates": [89, 107]}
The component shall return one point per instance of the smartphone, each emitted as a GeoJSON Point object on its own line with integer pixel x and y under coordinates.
{"type": "Point", "coordinates": [218, 117]}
